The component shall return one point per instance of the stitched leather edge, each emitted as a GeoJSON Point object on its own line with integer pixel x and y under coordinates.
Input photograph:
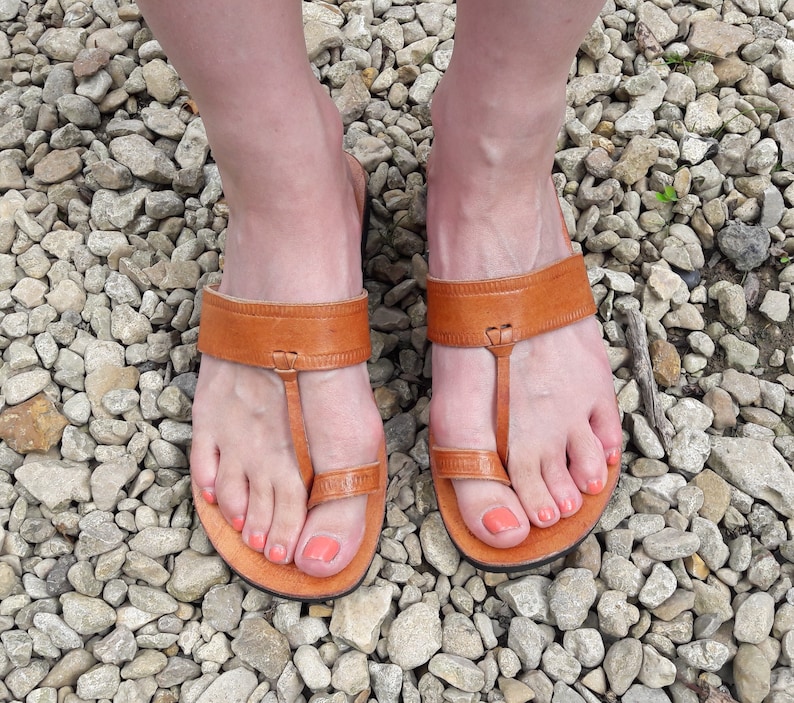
{"type": "Point", "coordinates": [459, 313]}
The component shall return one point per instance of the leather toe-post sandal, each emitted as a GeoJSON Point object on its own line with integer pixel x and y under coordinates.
{"type": "Point", "coordinates": [289, 339]}
{"type": "Point", "coordinates": [497, 314]}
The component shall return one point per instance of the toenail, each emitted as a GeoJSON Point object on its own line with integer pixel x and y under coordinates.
{"type": "Point", "coordinates": [278, 554]}
{"type": "Point", "coordinates": [208, 496]}
{"type": "Point", "coordinates": [257, 542]}
{"type": "Point", "coordinates": [321, 548]}
{"type": "Point", "coordinates": [546, 515]}
{"type": "Point", "coordinates": [594, 487]}
{"type": "Point", "coordinates": [613, 457]}
{"type": "Point", "coordinates": [499, 520]}
{"type": "Point", "coordinates": [566, 506]}
{"type": "Point", "coordinates": [238, 523]}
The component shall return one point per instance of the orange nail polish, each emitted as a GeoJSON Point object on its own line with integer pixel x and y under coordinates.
{"type": "Point", "coordinates": [256, 542]}
{"type": "Point", "coordinates": [500, 519]}
{"type": "Point", "coordinates": [546, 515]}
{"type": "Point", "coordinates": [594, 487]}
{"type": "Point", "coordinates": [613, 457]}
{"type": "Point", "coordinates": [566, 506]}
{"type": "Point", "coordinates": [321, 548]}
{"type": "Point", "coordinates": [208, 496]}
{"type": "Point", "coordinates": [238, 523]}
{"type": "Point", "coordinates": [278, 554]}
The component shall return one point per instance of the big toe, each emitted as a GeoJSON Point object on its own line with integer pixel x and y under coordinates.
{"type": "Point", "coordinates": [492, 512]}
{"type": "Point", "coordinates": [331, 536]}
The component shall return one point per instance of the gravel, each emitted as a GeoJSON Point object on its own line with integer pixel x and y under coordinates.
{"type": "Point", "coordinates": [673, 169]}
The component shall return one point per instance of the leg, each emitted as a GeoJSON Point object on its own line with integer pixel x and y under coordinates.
{"type": "Point", "coordinates": [492, 212]}
{"type": "Point", "coordinates": [293, 237]}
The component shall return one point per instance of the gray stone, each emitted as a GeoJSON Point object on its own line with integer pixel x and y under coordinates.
{"type": "Point", "coordinates": [755, 467]}
{"type": "Point", "coordinates": [746, 246]}
{"type": "Point", "coordinates": [622, 664]}
{"type": "Point", "coordinates": [458, 672]}
{"type": "Point", "coordinates": [262, 647]}
{"type": "Point", "coordinates": [708, 655]}
{"type": "Point", "coordinates": [571, 595]}
{"type": "Point", "coordinates": [669, 544]}
{"type": "Point", "coordinates": [56, 483]}
{"type": "Point", "coordinates": [437, 547]}
{"type": "Point", "coordinates": [414, 636]}
{"type": "Point", "coordinates": [142, 158]}
{"type": "Point", "coordinates": [754, 618]}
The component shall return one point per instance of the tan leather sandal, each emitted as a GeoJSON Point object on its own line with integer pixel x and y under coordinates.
{"type": "Point", "coordinates": [288, 339]}
{"type": "Point", "coordinates": [496, 314]}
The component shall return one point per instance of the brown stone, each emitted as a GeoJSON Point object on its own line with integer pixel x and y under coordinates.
{"type": "Point", "coordinates": [89, 61]}
{"type": "Point", "coordinates": [666, 363]}
{"type": "Point", "coordinates": [717, 38]}
{"type": "Point", "coordinates": [107, 378]}
{"type": "Point", "coordinates": [716, 495]}
{"type": "Point", "coordinates": [58, 165]}
{"type": "Point", "coordinates": [721, 404]}
{"type": "Point", "coordinates": [32, 426]}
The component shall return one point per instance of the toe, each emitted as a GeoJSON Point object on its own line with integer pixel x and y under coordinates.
{"type": "Point", "coordinates": [204, 458]}
{"type": "Point", "coordinates": [560, 486]}
{"type": "Point", "coordinates": [330, 538]}
{"type": "Point", "coordinates": [587, 462]}
{"type": "Point", "coordinates": [259, 517]}
{"type": "Point", "coordinates": [492, 512]}
{"type": "Point", "coordinates": [231, 493]}
{"type": "Point", "coordinates": [606, 427]}
{"type": "Point", "coordinates": [289, 514]}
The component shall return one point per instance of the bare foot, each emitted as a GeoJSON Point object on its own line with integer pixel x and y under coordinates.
{"type": "Point", "coordinates": [492, 212]}
{"type": "Point", "coordinates": [293, 238]}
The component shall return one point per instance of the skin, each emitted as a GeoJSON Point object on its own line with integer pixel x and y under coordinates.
{"type": "Point", "coordinates": [491, 212]}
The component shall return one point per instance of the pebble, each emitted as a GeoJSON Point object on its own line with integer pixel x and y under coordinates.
{"type": "Point", "coordinates": [414, 636]}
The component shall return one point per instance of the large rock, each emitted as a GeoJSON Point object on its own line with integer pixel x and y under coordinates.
{"type": "Point", "coordinates": [757, 468]}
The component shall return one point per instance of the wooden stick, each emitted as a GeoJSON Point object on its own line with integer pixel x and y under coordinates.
{"type": "Point", "coordinates": [637, 339]}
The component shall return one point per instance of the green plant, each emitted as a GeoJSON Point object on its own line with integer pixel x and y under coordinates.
{"type": "Point", "coordinates": [717, 133]}
{"type": "Point", "coordinates": [668, 195]}
{"type": "Point", "coordinates": [675, 60]}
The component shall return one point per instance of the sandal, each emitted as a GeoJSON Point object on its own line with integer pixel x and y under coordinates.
{"type": "Point", "coordinates": [496, 314]}
{"type": "Point", "coordinates": [288, 339]}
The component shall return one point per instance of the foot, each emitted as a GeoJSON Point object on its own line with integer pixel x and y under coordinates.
{"type": "Point", "coordinates": [300, 246]}
{"type": "Point", "coordinates": [492, 212]}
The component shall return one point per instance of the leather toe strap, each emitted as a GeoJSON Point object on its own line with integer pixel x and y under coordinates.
{"type": "Point", "coordinates": [345, 483]}
{"type": "Point", "coordinates": [454, 464]}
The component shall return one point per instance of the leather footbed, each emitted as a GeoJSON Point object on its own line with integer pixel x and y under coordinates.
{"type": "Point", "coordinates": [496, 314]}
{"type": "Point", "coordinates": [314, 337]}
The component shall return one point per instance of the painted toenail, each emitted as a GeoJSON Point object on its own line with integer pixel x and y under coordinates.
{"type": "Point", "coordinates": [566, 506]}
{"type": "Point", "coordinates": [594, 487]}
{"type": "Point", "coordinates": [238, 523]}
{"type": "Point", "coordinates": [208, 496]}
{"type": "Point", "coordinates": [257, 542]}
{"type": "Point", "coordinates": [613, 457]}
{"type": "Point", "coordinates": [321, 548]}
{"type": "Point", "coordinates": [499, 520]}
{"type": "Point", "coordinates": [546, 515]}
{"type": "Point", "coordinates": [278, 554]}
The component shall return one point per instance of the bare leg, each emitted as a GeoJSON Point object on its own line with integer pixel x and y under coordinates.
{"type": "Point", "coordinates": [492, 212]}
{"type": "Point", "coordinates": [294, 236]}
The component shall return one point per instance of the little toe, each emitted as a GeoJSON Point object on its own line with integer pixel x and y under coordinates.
{"type": "Point", "coordinates": [331, 536]}
{"type": "Point", "coordinates": [492, 512]}
{"type": "Point", "coordinates": [204, 465]}
{"type": "Point", "coordinates": [606, 426]}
